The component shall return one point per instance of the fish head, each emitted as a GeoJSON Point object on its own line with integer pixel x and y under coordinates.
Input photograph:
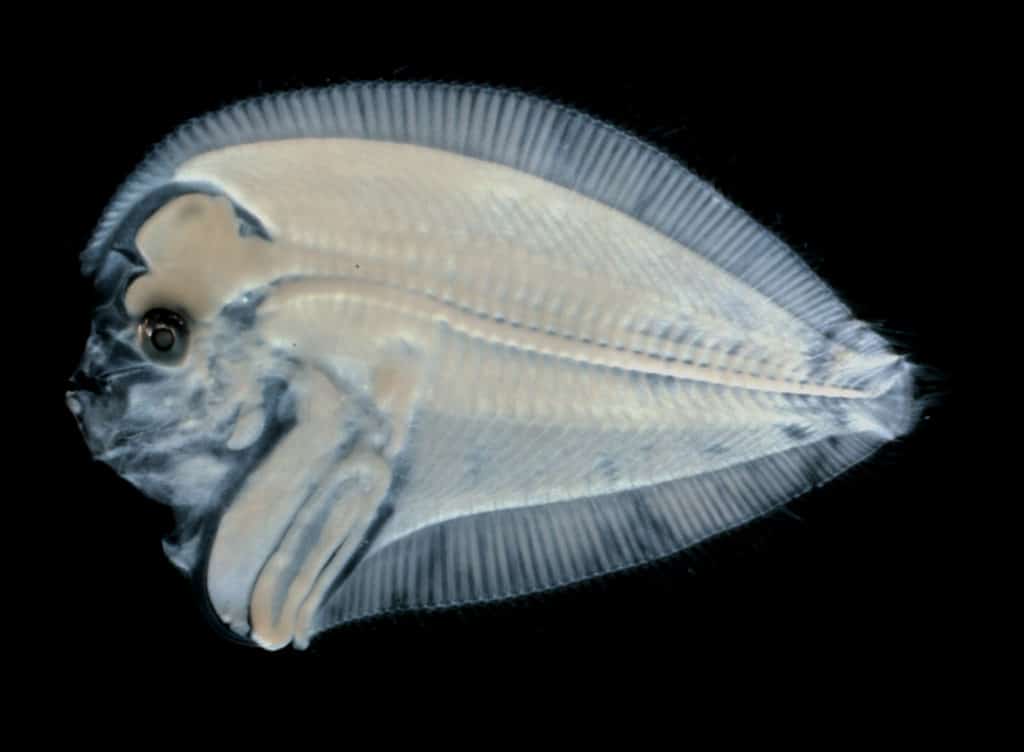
{"type": "Point", "coordinates": [177, 391]}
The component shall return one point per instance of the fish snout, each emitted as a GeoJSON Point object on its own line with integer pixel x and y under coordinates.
{"type": "Point", "coordinates": [87, 398]}
{"type": "Point", "coordinates": [76, 400]}
{"type": "Point", "coordinates": [81, 381]}
{"type": "Point", "coordinates": [83, 388]}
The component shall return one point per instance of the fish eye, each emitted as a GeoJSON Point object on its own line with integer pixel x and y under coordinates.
{"type": "Point", "coordinates": [163, 335]}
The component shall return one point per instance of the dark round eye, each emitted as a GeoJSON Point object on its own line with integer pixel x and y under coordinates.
{"type": "Point", "coordinates": [163, 335]}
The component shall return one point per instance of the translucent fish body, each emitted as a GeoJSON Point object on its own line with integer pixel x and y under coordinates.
{"type": "Point", "coordinates": [449, 345]}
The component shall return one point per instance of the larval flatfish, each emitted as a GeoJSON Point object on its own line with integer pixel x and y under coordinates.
{"type": "Point", "coordinates": [397, 346]}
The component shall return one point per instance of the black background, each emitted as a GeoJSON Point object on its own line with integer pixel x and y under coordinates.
{"type": "Point", "coordinates": [837, 155]}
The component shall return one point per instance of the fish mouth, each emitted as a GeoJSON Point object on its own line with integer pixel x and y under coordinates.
{"type": "Point", "coordinates": [103, 448]}
{"type": "Point", "coordinates": [74, 406]}
{"type": "Point", "coordinates": [77, 410]}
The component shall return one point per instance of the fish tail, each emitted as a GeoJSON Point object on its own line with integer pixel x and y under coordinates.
{"type": "Point", "coordinates": [897, 407]}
